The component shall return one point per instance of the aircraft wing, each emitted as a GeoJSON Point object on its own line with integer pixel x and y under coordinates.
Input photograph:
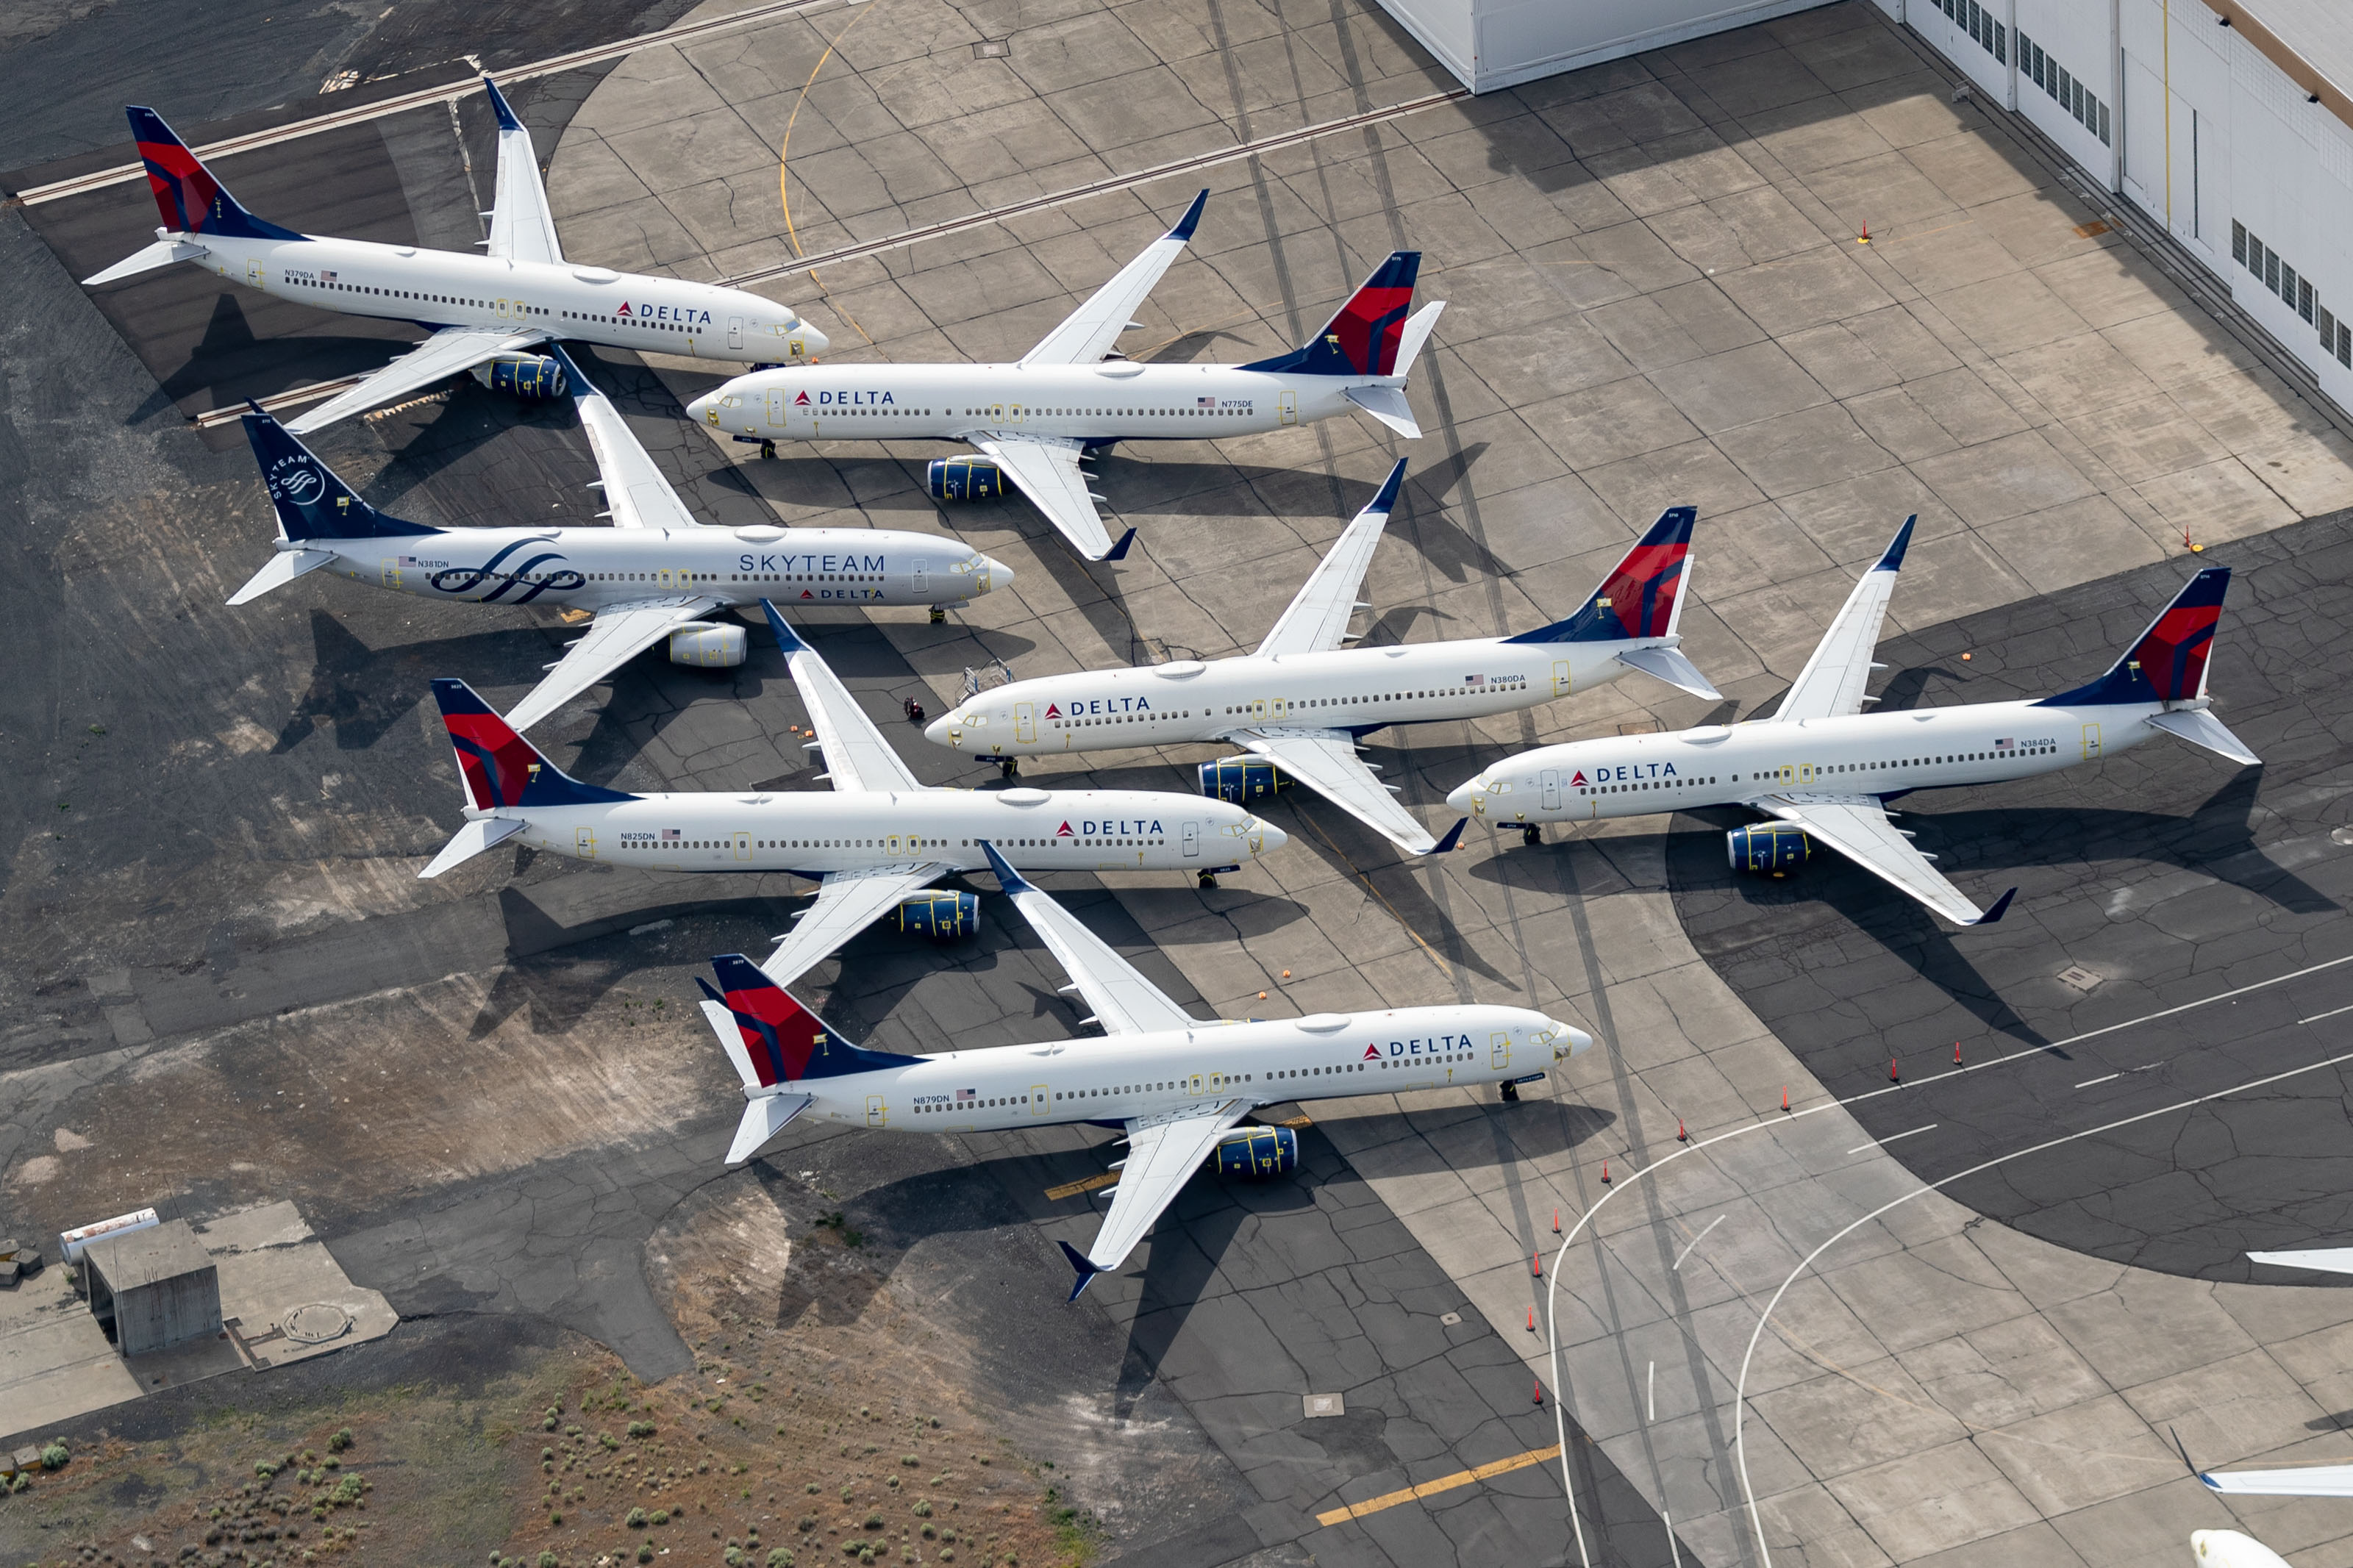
{"type": "Point", "coordinates": [847, 903]}
{"type": "Point", "coordinates": [857, 757]}
{"type": "Point", "coordinates": [617, 635]}
{"type": "Point", "coordinates": [2309, 1480]}
{"type": "Point", "coordinates": [636, 493]}
{"type": "Point", "coordinates": [1124, 1002]}
{"type": "Point", "coordinates": [1325, 761]}
{"type": "Point", "coordinates": [1163, 1152]}
{"type": "Point", "coordinates": [1831, 684]}
{"type": "Point", "coordinates": [1046, 469]}
{"type": "Point", "coordinates": [1856, 825]}
{"type": "Point", "coordinates": [521, 229]}
{"type": "Point", "coordinates": [445, 353]}
{"type": "Point", "coordinates": [1317, 620]}
{"type": "Point", "coordinates": [1089, 330]}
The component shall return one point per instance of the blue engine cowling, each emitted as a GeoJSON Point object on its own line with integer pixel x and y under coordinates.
{"type": "Point", "coordinates": [1238, 781]}
{"type": "Point", "coordinates": [942, 917]}
{"type": "Point", "coordinates": [1767, 848]}
{"type": "Point", "coordinates": [963, 478]}
{"type": "Point", "coordinates": [1258, 1152]}
{"type": "Point", "coordinates": [534, 378]}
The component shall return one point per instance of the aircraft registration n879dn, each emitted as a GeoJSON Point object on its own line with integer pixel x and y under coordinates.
{"type": "Point", "coordinates": [1071, 396]}
{"type": "Point", "coordinates": [1179, 1086]}
{"type": "Point", "coordinates": [1301, 705]}
{"type": "Point", "coordinates": [656, 574]}
{"type": "Point", "coordinates": [874, 843]}
{"type": "Point", "coordinates": [486, 313]}
{"type": "Point", "coordinates": [1826, 770]}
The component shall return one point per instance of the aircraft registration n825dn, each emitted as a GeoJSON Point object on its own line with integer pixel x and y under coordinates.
{"type": "Point", "coordinates": [656, 574]}
{"type": "Point", "coordinates": [1825, 770]}
{"type": "Point", "coordinates": [1037, 419]}
{"type": "Point", "coordinates": [874, 843]}
{"type": "Point", "coordinates": [487, 313]}
{"type": "Point", "coordinates": [1301, 704]}
{"type": "Point", "coordinates": [1179, 1086]}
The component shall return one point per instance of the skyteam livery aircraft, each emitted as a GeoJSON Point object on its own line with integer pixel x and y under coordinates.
{"type": "Point", "coordinates": [875, 843]}
{"type": "Point", "coordinates": [486, 312]}
{"type": "Point", "coordinates": [1071, 396]}
{"type": "Point", "coordinates": [1178, 1086]}
{"type": "Point", "coordinates": [1826, 770]}
{"type": "Point", "coordinates": [1302, 703]}
{"type": "Point", "coordinates": [656, 574]}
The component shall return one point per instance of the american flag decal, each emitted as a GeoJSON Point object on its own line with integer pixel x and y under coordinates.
{"type": "Point", "coordinates": [964, 1094]}
{"type": "Point", "coordinates": [326, 277]}
{"type": "Point", "coordinates": [1474, 680]}
{"type": "Point", "coordinates": [671, 833]}
{"type": "Point", "coordinates": [1205, 402]}
{"type": "Point", "coordinates": [2006, 742]}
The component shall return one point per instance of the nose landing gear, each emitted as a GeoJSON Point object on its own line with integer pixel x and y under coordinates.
{"type": "Point", "coordinates": [939, 616]}
{"type": "Point", "coordinates": [1008, 767]}
{"type": "Point", "coordinates": [1531, 835]}
{"type": "Point", "coordinates": [768, 450]}
{"type": "Point", "coordinates": [1512, 1090]}
{"type": "Point", "coordinates": [1208, 880]}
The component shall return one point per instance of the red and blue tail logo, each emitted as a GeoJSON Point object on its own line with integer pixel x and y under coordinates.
{"type": "Point", "coordinates": [499, 767]}
{"type": "Point", "coordinates": [1361, 339]}
{"type": "Point", "coordinates": [2168, 664]}
{"type": "Point", "coordinates": [785, 1041]}
{"type": "Point", "coordinates": [1638, 598]}
{"type": "Point", "coordinates": [190, 199]}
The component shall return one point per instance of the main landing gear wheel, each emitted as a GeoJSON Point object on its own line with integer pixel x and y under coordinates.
{"type": "Point", "coordinates": [1532, 835]}
{"type": "Point", "coordinates": [1512, 1090]}
{"type": "Point", "coordinates": [1208, 880]}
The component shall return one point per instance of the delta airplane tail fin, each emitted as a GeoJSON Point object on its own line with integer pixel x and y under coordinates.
{"type": "Point", "coordinates": [776, 1045]}
{"type": "Point", "coordinates": [1641, 599]}
{"type": "Point", "coordinates": [312, 502]}
{"type": "Point", "coordinates": [190, 198]}
{"type": "Point", "coordinates": [1368, 335]}
{"type": "Point", "coordinates": [498, 769]}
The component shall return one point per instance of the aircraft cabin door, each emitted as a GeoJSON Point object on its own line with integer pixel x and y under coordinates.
{"type": "Point", "coordinates": [585, 845]}
{"type": "Point", "coordinates": [1192, 840]}
{"type": "Point", "coordinates": [1037, 1099]}
{"type": "Point", "coordinates": [743, 845]}
{"type": "Point", "coordinates": [775, 420]}
{"type": "Point", "coordinates": [876, 1116]}
{"type": "Point", "coordinates": [1499, 1049]}
{"type": "Point", "coordinates": [1551, 781]}
{"type": "Point", "coordinates": [1561, 679]}
{"type": "Point", "coordinates": [923, 578]}
{"type": "Point", "coordinates": [1025, 723]}
{"type": "Point", "coordinates": [2091, 742]}
{"type": "Point", "coordinates": [392, 572]}
{"type": "Point", "coordinates": [256, 274]}
{"type": "Point", "coordinates": [735, 331]}
{"type": "Point", "coordinates": [1286, 404]}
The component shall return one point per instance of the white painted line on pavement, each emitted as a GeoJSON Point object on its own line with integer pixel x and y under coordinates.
{"type": "Point", "coordinates": [1891, 1137]}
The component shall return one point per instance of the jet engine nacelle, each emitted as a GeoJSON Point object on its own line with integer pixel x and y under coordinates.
{"type": "Point", "coordinates": [963, 478]}
{"type": "Point", "coordinates": [1238, 781]}
{"type": "Point", "coordinates": [2228, 1549]}
{"type": "Point", "coordinates": [708, 648]}
{"type": "Point", "coordinates": [942, 917]}
{"type": "Point", "coordinates": [1767, 848]}
{"type": "Point", "coordinates": [534, 378]}
{"type": "Point", "coordinates": [1258, 1152]}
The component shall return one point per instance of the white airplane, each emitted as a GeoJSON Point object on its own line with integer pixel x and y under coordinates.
{"type": "Point", "coordinates": [486, 313]}
{"type": "Point", "coordinates": [1825, 770]}
{"type": "Point", "coordinates": [1073, 395]}
{"type": "Point", "coordinates": [1301, 704]}
{"type": "Point", "coordinates": [656, 574]}
{"type": "Point", "coordinates": [2229, 1548]}
{"type": "Point", "coordinates": [1180, 1086]}
{"type": "Point", "coordinates": [874, 843]}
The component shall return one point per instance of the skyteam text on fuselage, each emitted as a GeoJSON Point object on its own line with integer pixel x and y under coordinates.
{"type": "Point", "coordinates": [488, 313]}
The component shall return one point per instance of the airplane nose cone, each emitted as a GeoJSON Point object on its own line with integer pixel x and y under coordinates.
{"type": "Point", "coordinates": [1000, 576]}
{"type": "Point", "coordinates": [1268, 837]}
{"type": "Point", "coordinates": [700, 409]}
{"type": "Point", "coordinates": [818, 342]}
{"type": "Point", "coordinates": [1461, 799]}
{"type": "Point", "coordinates": [1578, 1040]}
{"type": "Point", "coordinates": [936, 731]}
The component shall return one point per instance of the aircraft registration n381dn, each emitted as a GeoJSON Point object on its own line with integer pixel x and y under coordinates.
{"type": "Point", "coordinates": [874, 843]}
{"type": "Point", "coordinates": [1179, 1086]}
{"type": "Point", "coordinates": [1826, 770]}
{"type": "Point", "coordinates": [1301, 705]}
{"type": "Point", "coordinates": [1071, 396]}
{"type": "Point", "coordinates": [656, 574]}
{"type": "Point", "coordinates": [487, 313]}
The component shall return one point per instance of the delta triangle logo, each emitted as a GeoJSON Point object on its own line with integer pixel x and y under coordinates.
{"type": "Point", "coordinates": [806, 594]}
{"type": "Point", "coordinates": [1053, 710]}
{"type": "Point", "coordinates": [1577, 777]}
{"type": "Point", "coordinates": [1372, 1053]}
{"type": "Point", "coordinates": [1063, 831]}
{"type": "Point", "coordinates": [624, 309]}
{"type": "Point", "coordinates": [802, 401]}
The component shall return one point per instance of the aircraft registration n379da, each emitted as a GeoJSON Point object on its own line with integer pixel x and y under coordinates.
{"type": "Point", "coordinates": [486, 313]}
{"type": "Point", "coordinates": [1301, 704]}
{"type": "Point", "coordinates": [1179, 1086]}
{"type": "Point", "coordinates": [1071, 396]}
{"type": "Point", "coordinates": [656, 574]}
{"type": "Point", "coordinates": [1823, 769]}
{"type": "Point", "coordinates": [874, 843]}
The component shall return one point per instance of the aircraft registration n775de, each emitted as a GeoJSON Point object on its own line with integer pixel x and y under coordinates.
{"type": "Point", "coordinates": [656, 574]}
{"type": "Point", "coordinates": [1301, 704]}
{"type": "Point", "coordinates": [874, 843]}
{"type": "Point", "coordinates": [1071, 396]}
{"type": "Point", "coordinates": [1179, 1086]}
{"type": "Point", "coordinates": [486, 313]}
{"type": "Point", "coordinates": [1825, 770]}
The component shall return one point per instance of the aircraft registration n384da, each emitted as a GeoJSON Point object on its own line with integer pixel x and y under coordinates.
{"type": "Point", "coordinates": [656, 574]}
{"type": "Point", "coordinates": [1825, 770]}
{"type": "Point", "coordinates": [1036, 419]}
{"type": "Point", "coordinates": [874, 843]}
{"type": "Point", "coordinates": [486, 313]}
{"type": "Point", "coordinates": [1301, 704]}
{"type": "Point", "coordinates": [1179, 1086]}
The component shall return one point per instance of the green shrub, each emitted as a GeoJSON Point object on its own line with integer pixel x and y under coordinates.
{"type": "Point", "coordinates": [264, 1468]}
{"type": "Point", "coordinates": [909, 1460]}
{"type": "Point", "coordinates": [54, 1455]}
{"type": "Point", "coordinates": [658, 1516]}
{"type": "Point", "coordinates": [341, 1441]}
{"type": "Point", "coordinates": [780, 1558]}
{"type": "Point", "coordinates": [549, 1560]}
{"type": "Point", "coordinates": [641, 1428]}
{"type": "Point", "coordinates": [732, 1557]}
{"type": "Point", "coordinates": [644, 1551]}
{"type": "Point", "coordinates": [929, 1532]}
{"type": "Point", "coordinates": [923, 1508]}
{"type": "Point", "coordinates": [873, 1522]}
{"type": "Point", "coordinates": [610, 1442]}
{"type": "Point", "coordinates": [347, 1491]}
{"type": "Point", "coordinates": [635, 1519]}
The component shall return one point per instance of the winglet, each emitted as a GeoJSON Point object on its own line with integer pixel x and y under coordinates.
{"type": "Point", "coordinates": [1119, 552]}
{"type": "Point", "coordinates": [1011, 881]}
{"type": "Point", "coordinates": [2001, 908]}
{"type": "Point", "coordinates": [507, 120]}
{"type": "Point", "coordinates": [1387, 500]}
{"type": "Point", "coordinates": [1191, 220]}
{"type": "Point", "coordinates": [1087, 1270]}
{"type": "Point", "coordinates": [1893, 560]}
{"type": "Point", "coordinates": [1453, 834]}
{"type": "Point", "coordinates": [787, 639]}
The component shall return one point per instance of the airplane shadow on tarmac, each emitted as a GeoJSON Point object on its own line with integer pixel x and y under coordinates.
{"type": "Point", "coordinates": [363, 691]}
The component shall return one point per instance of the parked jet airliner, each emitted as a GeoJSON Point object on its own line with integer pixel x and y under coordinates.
{"type": "Point", "coordinates": [656, 574]}
{"type": "Point", "coordinates": [1071, 397]}
{"type": "Point", "coordinates": [486, 313]}
{"type": "Point", "coordinates": [1301, 705]}
{"type": "Point", "coordinates": [1825, 770]}
{"type": "Point", "coordinates": [1180, 1086]}
{"type": "Point", "coordinates": [874, 843]}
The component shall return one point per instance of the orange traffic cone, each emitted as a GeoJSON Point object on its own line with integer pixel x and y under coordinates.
{"type": "Point", "coordinates": [1680, 1136]}
{"type": "Point", "coordinates": [1785, 1097]}
{"type": "Point", "coordinates": [1556, 1222]}
{"type": "Point", "coordinates": [1535, 1264]}
{"type": "Point", "coordinates": [1539, 1387]}
{"type": "Point", "coordinates": [1531, 1320]}
{"type": "Point", "coordinates": [1894, 1074]}
{"type": "Point", "coordinates": [1956, 1053]}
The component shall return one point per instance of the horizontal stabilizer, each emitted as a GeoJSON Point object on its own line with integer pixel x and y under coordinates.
{"type": "Point", "coordinates": [281, 569]}
{"type": "Point", "coordinates": [2309, 1480]}
{"type": "Point", "coordinates": [2326, 1259]}
{"type": "Point", "coordinates": [1669, 665]}
{"type": "Point", "coordinates": [1417, 333]}
{"type": "Point", "coordinates": [763, 1120]}
{"type": "Point", "coordinates": [2200, 728]}
{"type": "Point", "coordinates": [1387, 404]}
{"type": "Point", "coordinates": [482, 833]}
{"type": "Point", "coordinates": [162, 253]}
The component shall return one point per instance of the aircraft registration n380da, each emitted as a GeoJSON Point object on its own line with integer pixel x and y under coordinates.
{"type": "Point", "coordinates": [486, 313]}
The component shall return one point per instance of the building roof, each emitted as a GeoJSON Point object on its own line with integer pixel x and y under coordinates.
{"type": "Point", "coordinates": [2310, 40]}
{"type": "Point", "coordinates": [149, 1256]}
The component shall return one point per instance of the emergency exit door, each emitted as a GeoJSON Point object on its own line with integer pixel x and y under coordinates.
{"type": "Point", "coordinates": [1499, 1049]}
{"type": "Point", "coordinates": [2091, 741]}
